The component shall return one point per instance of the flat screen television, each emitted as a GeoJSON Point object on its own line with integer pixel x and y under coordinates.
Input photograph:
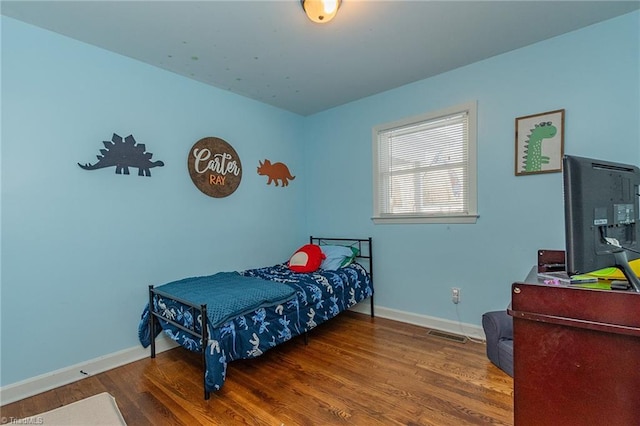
{"type": "Point", "coordinates": [602, 216]}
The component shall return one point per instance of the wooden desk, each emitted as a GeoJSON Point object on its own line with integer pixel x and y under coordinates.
{"type": "Point", "coordinates": [576, 356]}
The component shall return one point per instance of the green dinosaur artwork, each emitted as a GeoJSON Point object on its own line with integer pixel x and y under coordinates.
{"type": "Point", "coordinates": [533, 158]}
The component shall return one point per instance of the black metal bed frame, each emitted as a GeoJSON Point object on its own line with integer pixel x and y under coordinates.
{"type": "Point", "coordinates": [194, 309]}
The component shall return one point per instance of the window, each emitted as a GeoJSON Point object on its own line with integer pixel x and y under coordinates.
{"type": "Point", "coordinates": [425, 168]}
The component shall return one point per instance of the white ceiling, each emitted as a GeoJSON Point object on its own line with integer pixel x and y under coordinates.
{"type": "Point", "coordinates": [269, 50]}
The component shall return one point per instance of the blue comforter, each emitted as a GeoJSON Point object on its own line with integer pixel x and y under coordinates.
{"type": "Point", "coordinates": [250, 331]}
{"type": "Point", "coordinates": [228, 294]}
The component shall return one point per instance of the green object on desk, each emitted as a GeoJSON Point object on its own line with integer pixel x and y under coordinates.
{"type": "Point", "coordinates": [600, 285]}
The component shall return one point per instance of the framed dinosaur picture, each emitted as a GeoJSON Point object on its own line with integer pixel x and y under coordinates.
{"type": "Point", "coordinates": [539, 143]}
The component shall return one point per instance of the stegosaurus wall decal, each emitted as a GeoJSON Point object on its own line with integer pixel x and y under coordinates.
{"type": "Point", "coordinates": [122, 155]}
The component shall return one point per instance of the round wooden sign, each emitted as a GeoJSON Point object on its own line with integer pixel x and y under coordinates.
{"type": "Point", "coordinates": [214, 167]}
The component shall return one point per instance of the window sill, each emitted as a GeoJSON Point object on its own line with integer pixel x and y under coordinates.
{"type": "Point", "coordinates": [425, 219]}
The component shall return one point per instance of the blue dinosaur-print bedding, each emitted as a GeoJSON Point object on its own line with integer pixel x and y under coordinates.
{"type": "Point", "coordinates": [318, 297]}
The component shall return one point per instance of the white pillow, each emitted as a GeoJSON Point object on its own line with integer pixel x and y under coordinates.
{"type": "Point", "coordinates": [337, 256]}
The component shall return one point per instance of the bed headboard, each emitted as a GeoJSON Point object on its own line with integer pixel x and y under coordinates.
{"type": "Point", "coordinates": [363, 245]}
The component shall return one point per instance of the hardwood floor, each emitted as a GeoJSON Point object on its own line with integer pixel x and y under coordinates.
{"type": "Point", "coordinates": [354, 371]}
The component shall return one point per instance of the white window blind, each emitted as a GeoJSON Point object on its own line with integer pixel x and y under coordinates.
{"type": "Point", "coordinates": [425, 168]}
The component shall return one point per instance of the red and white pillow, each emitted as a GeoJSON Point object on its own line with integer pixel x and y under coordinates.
{"type": "Point", "coordinates": [307, 258]}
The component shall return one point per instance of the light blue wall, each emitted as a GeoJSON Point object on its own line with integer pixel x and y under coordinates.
{"type": "Point", "coordinates": [72, 237]}
{"type": "Point", "coordinates": [80, 247]}
{"type": "Point", "coordinates": [594, 74]}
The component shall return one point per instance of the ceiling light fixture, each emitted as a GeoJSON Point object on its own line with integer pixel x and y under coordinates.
{"type": "Point", "coordinates": [320, 11]}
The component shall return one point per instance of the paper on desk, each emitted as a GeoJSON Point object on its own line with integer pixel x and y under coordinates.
{"type": "Point", "coordinates": [615, 273]}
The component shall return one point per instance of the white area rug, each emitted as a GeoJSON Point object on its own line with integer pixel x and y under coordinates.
{"type": "Point", "coordinates": [99, 409]}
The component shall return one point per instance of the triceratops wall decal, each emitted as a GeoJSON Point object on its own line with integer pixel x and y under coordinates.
{"type": "Point", "coordinates": [122, 155]}
{"type": "Point", "coordinates": [275, 172]}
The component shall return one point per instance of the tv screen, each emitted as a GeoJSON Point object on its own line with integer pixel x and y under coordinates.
{"type": "Point", "coordinates": [602, 216]}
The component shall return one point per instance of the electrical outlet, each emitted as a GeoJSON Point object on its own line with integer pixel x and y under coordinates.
{"type": "Point", "coordinates": [455, 295]}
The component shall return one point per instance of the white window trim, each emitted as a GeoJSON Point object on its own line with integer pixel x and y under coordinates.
{"type": "Point", "coordinates": [472, 215]}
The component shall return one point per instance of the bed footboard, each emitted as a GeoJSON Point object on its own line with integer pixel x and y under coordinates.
{"type": "Point", "coordinates": [196, 311]}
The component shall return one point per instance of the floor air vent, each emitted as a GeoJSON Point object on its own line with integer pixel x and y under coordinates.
{"type": "Point", "coordinates": [449, 336]}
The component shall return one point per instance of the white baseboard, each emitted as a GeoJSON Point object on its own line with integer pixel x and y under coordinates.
{"type": "Point", "coordinates": [35, 385]}
{"type": "Point", "coordinates": [44, 382]}
{"type": "Point", "coordinates": [464, 329]}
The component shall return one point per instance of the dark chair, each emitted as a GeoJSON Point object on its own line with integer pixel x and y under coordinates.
{"type": "Point", "coordinates": [498, 325]}
{"type": "Point", "coordinates": [498, 329]}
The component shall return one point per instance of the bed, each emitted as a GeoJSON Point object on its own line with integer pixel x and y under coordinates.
{"type": "Point", "coordinates": [241, 315]}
